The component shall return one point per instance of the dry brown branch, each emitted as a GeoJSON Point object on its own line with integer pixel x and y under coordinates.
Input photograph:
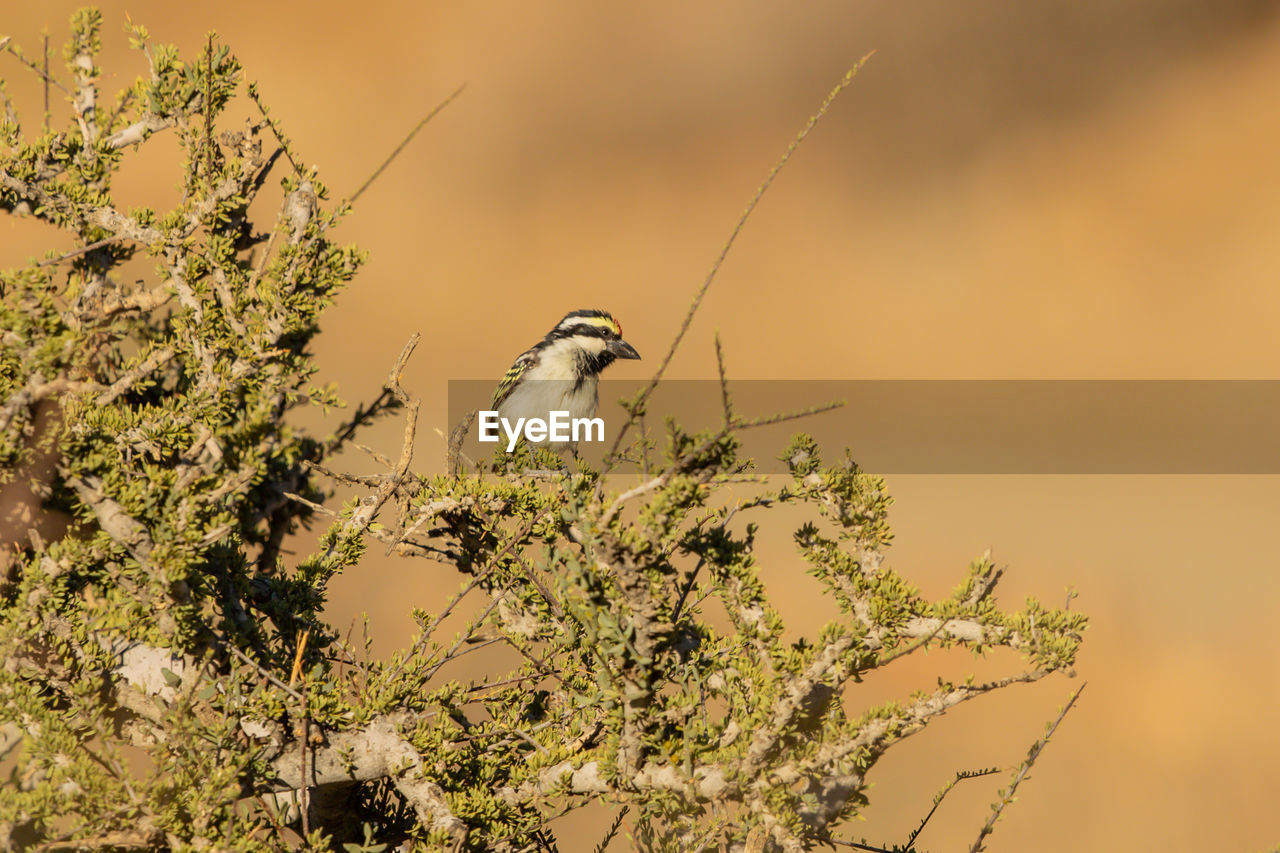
{"type": "Point", "coordinates": [405, 142]}
{"type": "Point", "coordinates": [1021, 773]}
{"type": "Point", "coordinates": [83, 250]}
{"type": "Point", "coordinates": [733, 236]}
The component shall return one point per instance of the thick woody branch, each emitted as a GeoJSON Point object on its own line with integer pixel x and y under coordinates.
{"type": "Point", "coordinates": [374, 752]}
{"type": "Point", "coordinates": [37, 389]}
{"type": "Point", "coordinates": [85, 101]}
{"type": "Point", "coordinates": [706, 783]}
{"type": "Point", "coordinates": [114, 520]}
{"type": "Point", "coordinates": [138, 131]}
{"type": "Point", "coordinates": [795, 698]}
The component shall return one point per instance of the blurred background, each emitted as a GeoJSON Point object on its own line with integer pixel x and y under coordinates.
{"type": "Point", "coordinates": [1009, 190]}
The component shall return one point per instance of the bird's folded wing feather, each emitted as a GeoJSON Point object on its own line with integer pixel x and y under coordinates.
{"type": "Point", "coordinates": [509, 382]}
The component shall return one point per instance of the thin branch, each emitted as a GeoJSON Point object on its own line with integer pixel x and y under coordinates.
{"type": "Point", "coordinates": [126, 98]}
{"type": "Point", "coordinates": [480, 577]}
{"type": "Point", "coordinates": [130, 377]}
{"type": "Point", "coordinates": [208, 133]}
{"type": "Point", "coordinates": [362, 417]}
{"type": "Point", "coordinates": [689, 584]}
{"type": "Point", "coordinates": [45, 74]}
{"type": "Point", "coordinates": [465, 636]}
{"type": "Point", "coordinates": [771, 420]}
{"type": "Point", "coordinates": [280, 136]}
{"type": "Point", "coordinates": [844, 83]}
{"type": "Point", "coordinates": [857, 845]}
{"type": "Point", "coordinates": [264, 672]}
{"type": "Point", "coordinates": [83, 250]}
{"type": "Point", "coordinates": [295, 677]}
{"type": "Point", "coordinates": [613, 830]}
{"type": "Point", "coordinates": [425, 514]}
{"type": "Point", "coordinates": [724, 382]}
{"type": "Point", "coordinates": [399, 148]}
{"type": "Point", "coordinates": [296, 672]}
{"type": "Point", "coordinates": [6, 45]}
{"type": "Point", "coordinates": [266, 252]}
{"type": "Point", "coordinates": [372, 454]}
{"type": "Point", "coordinates": [1021, 773]}
{"type": "Point", "coordinates": [961, 776]}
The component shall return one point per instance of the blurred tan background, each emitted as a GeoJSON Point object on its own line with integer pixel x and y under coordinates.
{"type": "Point", "coordinates": [1010, 190]}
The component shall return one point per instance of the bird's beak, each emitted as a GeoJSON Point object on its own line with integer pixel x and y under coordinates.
{"type": "Point", "coordinates": [622, 349]}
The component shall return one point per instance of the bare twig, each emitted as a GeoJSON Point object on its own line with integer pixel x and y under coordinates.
{"type": "Point", "coordinates": [425, 514]}
{"type": "Point", "coordinates": [6, 45]}
{"type": "Point", "coordinates": [126, 98]}
{"type": "Point", "coordinates": [44, 72]}
{"type": "Point", "coordinates": [399, 148]}
{"type": "Point", "coordinates": [280, 136]}
{"type": "Point", "coordinates": [454, 457]}
{"type": "Point", "coordinates": [724, 383]}
{"type": "Point", "coordinates": [372, 454]}
{"type": "Point", "coordinates": [295, 677]}
{"type": "Point", "coordinates": [784, 417]}
{"type": "Point", "coordinates": [690, 581]}
{"type": "Point", "coordinates": [613, 830]}
{"type": "Point", "coordinates": [266, 252]}
{"type": "Point", "coordinates": [83, 250]}
{"type": "Point", "coordinates": [296, 672]}
{"type": "Point", "coordinates": [733, 236]}
{"type": "Point", "coordinates": [961, 776]}
{"type": "Point", "coordinates": [1020, 774]}
{"type": "Point", "coordinates": [393, 383]}
{"type": "Point", "coordinates": [466, 635]}
{"type": "Point", "coordinates": [363, 416]}
{"type": "Point", "coordinates": [264, 672]}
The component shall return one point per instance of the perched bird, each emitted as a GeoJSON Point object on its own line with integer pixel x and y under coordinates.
{"type": "Point", "coordinates": [562, 371]}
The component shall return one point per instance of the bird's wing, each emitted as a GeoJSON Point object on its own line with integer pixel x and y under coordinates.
{"type": "Point", "coordinates": [517, 370]}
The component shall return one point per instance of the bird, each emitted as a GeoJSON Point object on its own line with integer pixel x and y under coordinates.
{"type": "Point", "coordinates": [562, 371]}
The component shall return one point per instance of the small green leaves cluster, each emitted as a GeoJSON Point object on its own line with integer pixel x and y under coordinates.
{"type": "Point", "coordinates": [148, 420]}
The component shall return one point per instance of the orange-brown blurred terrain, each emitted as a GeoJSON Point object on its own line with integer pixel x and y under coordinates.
{"type": "Point", "coordinates": [1009, 190]}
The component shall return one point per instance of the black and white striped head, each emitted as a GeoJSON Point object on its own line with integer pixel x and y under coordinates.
{"type": "Point", "coordinates": [591, 337]}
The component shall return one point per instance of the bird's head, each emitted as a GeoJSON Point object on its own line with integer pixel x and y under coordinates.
{"type": "Point", "coordinates": [595, 335]}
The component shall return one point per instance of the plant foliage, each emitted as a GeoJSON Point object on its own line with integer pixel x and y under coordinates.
{"type": "Point", "coordinates": [150, 477]}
